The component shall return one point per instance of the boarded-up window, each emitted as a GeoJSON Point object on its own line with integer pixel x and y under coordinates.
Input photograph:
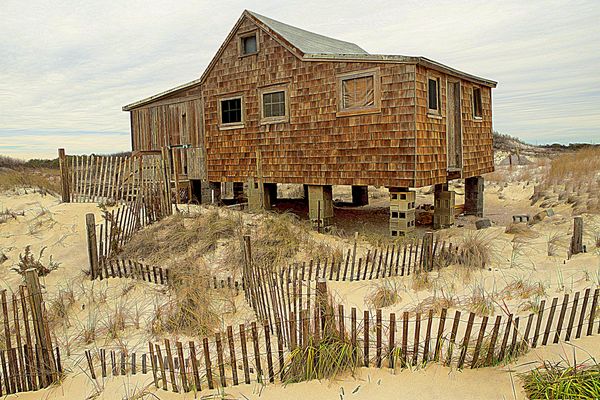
{"type": "Point", "coordinates": [274, 104]}
{"type": "Point", "coordinates": [358, 93]}
{"type": "Point", "coordinates": [433, 94]}
{"type": "Point", "coordinates": [477, 109]}
{"type": "Point", "coordinates": [231, 111]}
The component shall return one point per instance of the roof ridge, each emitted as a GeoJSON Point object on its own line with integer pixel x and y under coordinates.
{"type": "Point", "coordinates": [306, 41]}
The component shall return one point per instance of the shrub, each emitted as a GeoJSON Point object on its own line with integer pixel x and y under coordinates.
{"type": "Point", "coordinates": [559, 381]}
{"type": "Point", "coordinates": [28, 261]}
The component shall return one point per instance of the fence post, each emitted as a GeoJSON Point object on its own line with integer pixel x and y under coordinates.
{"type": "Point", "coordinates": [64, 176]}
{"type": "Point", "coordinates": [90, 223]}
{"type": "Point", "coordinates": [577, 238]}
{"type": "Point", "coordinates": [42, 336]}
{"type": "Point", "coordinates": [321, 303]}
{"type": "Point", "coordinates": [427, 262]}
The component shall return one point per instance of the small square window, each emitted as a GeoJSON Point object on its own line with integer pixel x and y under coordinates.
{"type": "Point", "coordinates": [231, 111]}
{"type": "Point", "coordinates": [477, 108]}
{"type": "Point", "coordinates": [394, 214]}
{"type": "Point", "coordinates": [433, 95]}
{"type": "Point", "coordinates": [403, 196]}
{"type": "Point", "coordinates": [402, 215]}
{"type": "Point", "coordinates": [394, 196]}
{"type": "Point", "coordinates": [394, 233]}
{"type": "Point", "coordinates": [274, 104]}
{"type": "Point", "coordinates": [249, 45]}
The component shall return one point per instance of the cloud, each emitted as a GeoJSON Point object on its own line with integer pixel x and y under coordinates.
{"type": "Point", "coordinates": [69, 66]}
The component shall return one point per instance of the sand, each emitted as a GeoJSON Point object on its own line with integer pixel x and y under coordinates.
{"type": "Point", "coordinates": [61, 229]}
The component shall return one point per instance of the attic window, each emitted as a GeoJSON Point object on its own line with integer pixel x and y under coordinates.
{"type": "Point", "coordinates": [477, 109]}
{"type": "Point", "coordinates": [359, 93]}
{"type": "Point", "coordinates": [433, 95]}
{"type": "Point", "coordinates": [248, 44]}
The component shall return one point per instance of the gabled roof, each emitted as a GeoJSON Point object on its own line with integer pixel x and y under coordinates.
{"type": "Point", "coordinates": [309, 46]}
{"type": "Point", "coordinates": [309, 42]}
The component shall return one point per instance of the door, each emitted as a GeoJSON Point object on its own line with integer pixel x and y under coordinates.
{"type": "Point", "coordinates": [454, 127]}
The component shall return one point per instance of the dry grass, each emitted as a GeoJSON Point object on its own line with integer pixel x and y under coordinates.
{"type": "Point", "coordinates": [384, 294]}
{"type": "Point", "coordinates": [521, 230]}
{"type": "Point", "coordinates": [180, 235]}
{"type": "Point", "coordinates": [476, 251]}
{"type": "Point", "coordinates": [192, 308]}
{"type": "Point", "coordinates": [44, 181]}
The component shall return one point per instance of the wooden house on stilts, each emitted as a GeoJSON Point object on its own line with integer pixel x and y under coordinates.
{"type": "Point", "coordinates": [278, 104]}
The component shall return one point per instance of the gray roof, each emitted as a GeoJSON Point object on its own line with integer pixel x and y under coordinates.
{"type": "Point", "coordinates": [309, 42]}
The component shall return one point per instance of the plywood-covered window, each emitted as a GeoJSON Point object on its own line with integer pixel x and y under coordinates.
{"type": "Point", "coordinates": [248, 43]}
{"type": "Point", "coordinates": [231, 111]}
{"type": "Point", "coordinates": [274, 104]}
{"type": "Point", "coordinates": [433, 95]}
{"type": "Point", "coordinates": [359, 92]}
{"type": "Point", "coordinates": [477, 108]}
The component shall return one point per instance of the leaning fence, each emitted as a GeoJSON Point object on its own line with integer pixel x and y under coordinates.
{"type": "Point", "coordinates": [28, 359]}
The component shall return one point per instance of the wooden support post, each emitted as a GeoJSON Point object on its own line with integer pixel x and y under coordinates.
{"type": "Point", "coordinates": [321, 302]}
{"type": "Point", "coordinates": [64, 176]}
{"type": "Point", "coordinates": [90, 223]}
{"type": "Point", "coordinates": [577, 238]}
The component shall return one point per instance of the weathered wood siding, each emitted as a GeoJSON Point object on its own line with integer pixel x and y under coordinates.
{"type": "Point", "coordinates": [315, 147]}
{"type": "Point", "coordinates": [477, 155]}
{"type": "Point", "coordinates": [172, 121]}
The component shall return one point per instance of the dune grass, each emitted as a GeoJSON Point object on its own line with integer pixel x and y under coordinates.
{"type": "Point", "coordinates": [562, 381]}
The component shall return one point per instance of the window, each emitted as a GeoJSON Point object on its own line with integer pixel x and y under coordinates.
{"type": "Point", "coordinates": [358, 93]}
{"type": "Point", "coordinates": [433, 95]}
{"type": "Point", "coordinates": [477, 110]}
{"type": "Point", "coordinates": [231, 112]}
{"type": "Point", "coordinates": [274, 104]}
{"type": "Point", "coordinates": [248, 44]}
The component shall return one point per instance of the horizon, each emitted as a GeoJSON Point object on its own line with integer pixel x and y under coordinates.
{"type": "Point", "coordinates": [64, 80]}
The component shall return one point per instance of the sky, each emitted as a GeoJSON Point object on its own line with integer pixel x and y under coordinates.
{"type": "Point", "coordinates": [67, 67]}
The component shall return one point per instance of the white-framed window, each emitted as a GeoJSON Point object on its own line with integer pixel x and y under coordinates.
{"type": "Point", "coordinates": [359, 92]}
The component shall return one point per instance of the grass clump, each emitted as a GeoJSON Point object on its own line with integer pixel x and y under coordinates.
{"type": "Point", "coordinates": [322, 358]}
{"type": "Point", "coordinates": [475, 252]}
{"type": "Point", "coordinates": [385, 294]}
{"type": "Point", "coordinates": [192, 307]}
{"type": "Point", "coordinates": [560, 381]}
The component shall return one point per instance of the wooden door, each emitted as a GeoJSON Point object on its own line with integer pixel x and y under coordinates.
{"type": "Point", "coordinates": [454, 127]}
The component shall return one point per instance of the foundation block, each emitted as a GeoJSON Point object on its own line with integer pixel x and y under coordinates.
{"type": "Point", "coordinates": [260, 197]}
{"type": "Point", "coordinates": [402, 211]}
{"type": "Point", "coordinates": [320, 204]}
{"type": "Point", "coordinates": [474, 188]}
{"type": "Point", "coordinates": [443, 213]}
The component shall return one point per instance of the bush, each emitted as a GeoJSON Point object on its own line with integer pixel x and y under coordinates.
{"type": "Point", "coordinates": [559, 381]}
{"type": "Point", "coordinates": [28, 261]}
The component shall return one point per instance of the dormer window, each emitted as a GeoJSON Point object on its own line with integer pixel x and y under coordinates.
{"type": "Point", "coordinates": [248, 44]}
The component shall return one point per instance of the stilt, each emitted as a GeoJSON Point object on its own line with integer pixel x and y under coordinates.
{"type": "Point", "coordinates": [402, 211]}
{"type": "Point", "coordinates": [474, 187]}
{"type": "Point", "coordinates": [320, 196]}
{"type": "Point", "coordinates": [360, 195]}
{"type": "Point", "coordinates": [215, 195]}
{"type": "Point", "coordinates": [443, 213]}
{"type": "Point", "coordinates": [260, 198]}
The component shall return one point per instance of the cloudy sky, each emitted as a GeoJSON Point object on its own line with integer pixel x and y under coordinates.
{"type": "Point", "coordinates": [67, 67]}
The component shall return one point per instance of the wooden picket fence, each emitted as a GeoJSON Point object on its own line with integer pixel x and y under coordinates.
{"type": "Point", "coordinates": [113, 179]}
{"type": "Point", "coordinates": [122, 268]}
{"type": "Point", "coordinates": [274, 294]}
{"type": "Point", "coordinates": [253, 354]}
{"type": "Point", "coordinates": [27, 359]}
